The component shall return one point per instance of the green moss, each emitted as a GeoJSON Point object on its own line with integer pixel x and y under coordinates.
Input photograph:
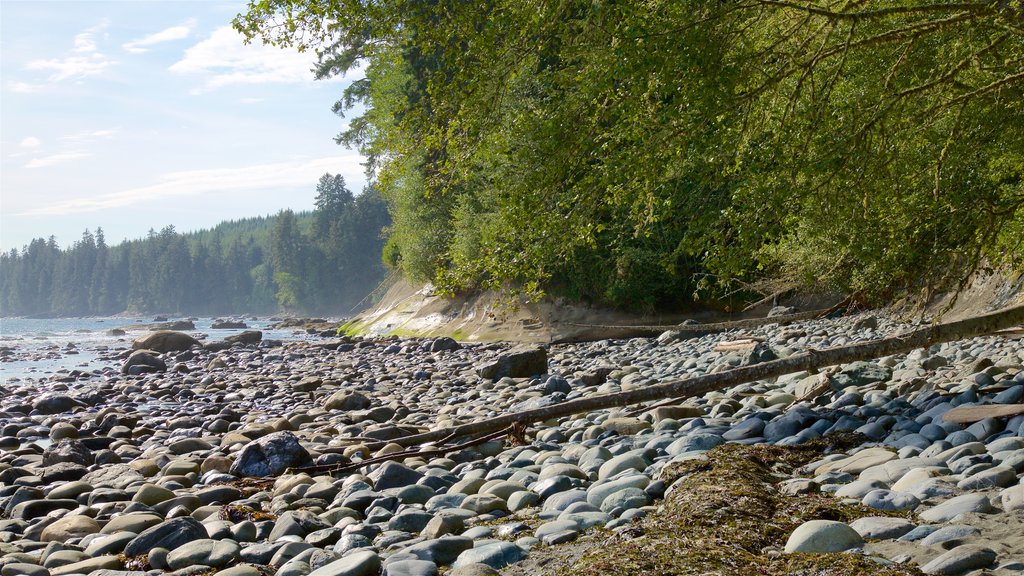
{"type": "Point", "coordinates": [726, 517]}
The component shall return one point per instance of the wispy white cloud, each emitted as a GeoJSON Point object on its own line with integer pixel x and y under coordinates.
{"type": "Point", "coordinates": [179, 32]}
{"type": "Point", "coordinates": [82, 61]}
{"type": "Point", "coordinates": [24, 87]}
{"type": "Point", "coordinates": [224, 59]}
{"type": "Point", "coordinates": [284, 175]}
{"type": "Point", "coordinates": [250, 100]}
{"type": "Point", "coordinates": [88, 135]}
{"type": "Point", "coordinates": [30, 142]}
{"type": "Point", "coordinates": [56, 159]}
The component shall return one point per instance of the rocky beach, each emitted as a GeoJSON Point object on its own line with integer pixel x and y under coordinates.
{"type": "Point", "coordinates": [254, 456]}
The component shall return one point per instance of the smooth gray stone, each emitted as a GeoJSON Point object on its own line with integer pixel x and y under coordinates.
{"type": "Point", "coordinates": [626, 499]}
{"type": "Point", "coordinates": [563, 500]}
{"type": "Point", "coordinates": [918, 533]}
{"type": "Point", "coordinates": [694, 443]}
{"type": "Point", "coordinates": [560, 537]}
{"type": "Point", "coordinates": [358, 563]}
{"type": "Point", "coordinates": [1012, 498]}
{"type": "Point", "coordinates": [933, 488]}
{"type": "Point", "coordinates": [349, 542]}
{"type": "Point", "coordinates": [553, 485]}
{"type": "Point", "coordinates": [169, 534]}
{"type": "Point", "coordinates": [997, 477]}
{"type": "Point", "coordinates": [554, 527]}
{"type": "Point", "coordinates": [296, 523]}
{"type": "Point", "coordinates": [288, 551]}
{"type": "Point", "coordinates": [23, 569]}
{"type": "Point", "coordinates": [478, 532]}
{"type": "Point", "coordinates": [260, 553]}
{"type": "Point", "coordinates": [819, 536]}
{"type": "Point", "coordinates": [442, 501]}
{"type": "Point", "coordinates": [960, 560]}
{"type": "Point", "coordinates": [890, 500]}
{"type": "Point", "coordinates": [859, 488]}
{"type": "Point", "coordinates": [881, 527]}
{"type": "Point", "coordinates": [597, 493]}
{"type": "Point", "coordinates": [214, 553]}
{"type": "Point", "coordinates": [110, 544]}
{"type": "Point", "coordinates": [497, 555]}
{"type": "Point", "coordinates": [410, 521]}
{"type": "Point", "coordinates": [410, 568]}
{"type": "Point", "coordinates": [948, 533]}
{"type": "Point", "coordinates": [394, 475]}
{"type": "Point", "coordinates": [749, 428]}
{"type": "Point", "coordinates": [521, 500]}
{"type": "Point", "coordinates": [954, 507]}
{"type": "Point", "coordinates": [294, 568]}
{"type": "Point", "coordinates": [441, 551]}
{"type": "Point", "coordinates": [587, 520]}
{"type": "Point", "coordinates": [633, 459]}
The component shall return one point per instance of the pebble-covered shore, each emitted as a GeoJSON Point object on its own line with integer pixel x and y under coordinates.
{"type": "Point", "coordinates": [179, 462]}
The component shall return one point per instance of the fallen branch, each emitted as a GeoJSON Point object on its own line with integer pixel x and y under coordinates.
{"type": "Point", "coordinates": [969, 414]}
{"type": "Point", "coordinates": [513, 430]}
{"type": "Point", "coordinates": [698, 386]}
{"type": "Point", "coordinates": [734, 345]}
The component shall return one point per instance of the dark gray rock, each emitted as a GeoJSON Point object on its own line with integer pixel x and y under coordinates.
{"type": "Point", "coordinates": [248, 338]}
{"type": "Point", "coordinates": [394, 475]}
{"type": "Point", "coordinates": [347, 400]}
{"type": "Point", "coordinates": [56, 404]}
{"type": "Point", "coordinates": [496, 555]}
{"type": "Point", "coordinates": [441, 551]}
{"type": "Point", "coordinates": [165, 341]}
{"type": "Point", "coordinates": [358, 563]}
{"type": "Point", "coordinates": [960, 560]}
{"type": "Point", "coordinates": [72, 451]}
{"type": "Point", "coordinates": [270, 455]}
{"type": "Point", "coordinates": [518, 362]}
{"type": "Point", "coordinates": [142, 361]}
{"type": "Point", "coordinates": [444, 344]}
{"type": "Point", "coordinates": [169, 535]}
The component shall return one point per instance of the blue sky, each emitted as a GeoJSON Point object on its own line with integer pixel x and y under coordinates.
{"type": "Point", "coordinates": [138, 114]}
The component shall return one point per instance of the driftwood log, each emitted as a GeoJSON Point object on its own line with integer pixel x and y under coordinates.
{"type": "Point", "coordinates": [811, 360]}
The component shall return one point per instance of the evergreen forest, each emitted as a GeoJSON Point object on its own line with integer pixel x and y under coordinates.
{"type": "Point", "coordinates": [651, 153]}
{"type": "Point", "coordinates": [323, 262]}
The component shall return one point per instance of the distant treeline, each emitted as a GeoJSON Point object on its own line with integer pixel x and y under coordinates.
{"type": "Point", "coordinates": [321, 262]}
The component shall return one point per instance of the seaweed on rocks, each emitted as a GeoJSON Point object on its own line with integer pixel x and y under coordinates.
{"type": "Point", "coordinates": [239, 513]}
{"type": "Point", "coordinates": [724, 515]}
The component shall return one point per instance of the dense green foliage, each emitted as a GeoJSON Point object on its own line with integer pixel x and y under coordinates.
{"type": "Point", "coordinates": [647, 152]}
{"type": "Point", "coordinates": [321, 262]}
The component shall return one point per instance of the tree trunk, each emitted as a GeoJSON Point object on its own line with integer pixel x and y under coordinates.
{"type": "Point", "coordinates": [700, 385]}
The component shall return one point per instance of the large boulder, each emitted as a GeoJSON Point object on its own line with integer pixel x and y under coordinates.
{"type": "Point", "coordinates": [861, 373]}
{"type": "Point", "coordinates": [270, 456]}
{"type": "Point", "coordinates": [55, 404]}
{"type": "Point", "coordinates": [165, 341]}
{"type": "Point", "coordinates": [72, 451]}
{"type": "Point", "coordinates": [248, 337]}
{"type": "Point", "coordinates": [141, 361]}
{"type": "Point", "coordinates": [519, 362]}
{"type": "Point", "coordinates": [347, 400]}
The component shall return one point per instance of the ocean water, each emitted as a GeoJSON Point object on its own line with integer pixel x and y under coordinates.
{"type": "Point", "coordinates": [40, 347]}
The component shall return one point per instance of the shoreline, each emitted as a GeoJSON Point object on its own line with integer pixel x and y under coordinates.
{"type": "Point", "coordinates": [170, 452]}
